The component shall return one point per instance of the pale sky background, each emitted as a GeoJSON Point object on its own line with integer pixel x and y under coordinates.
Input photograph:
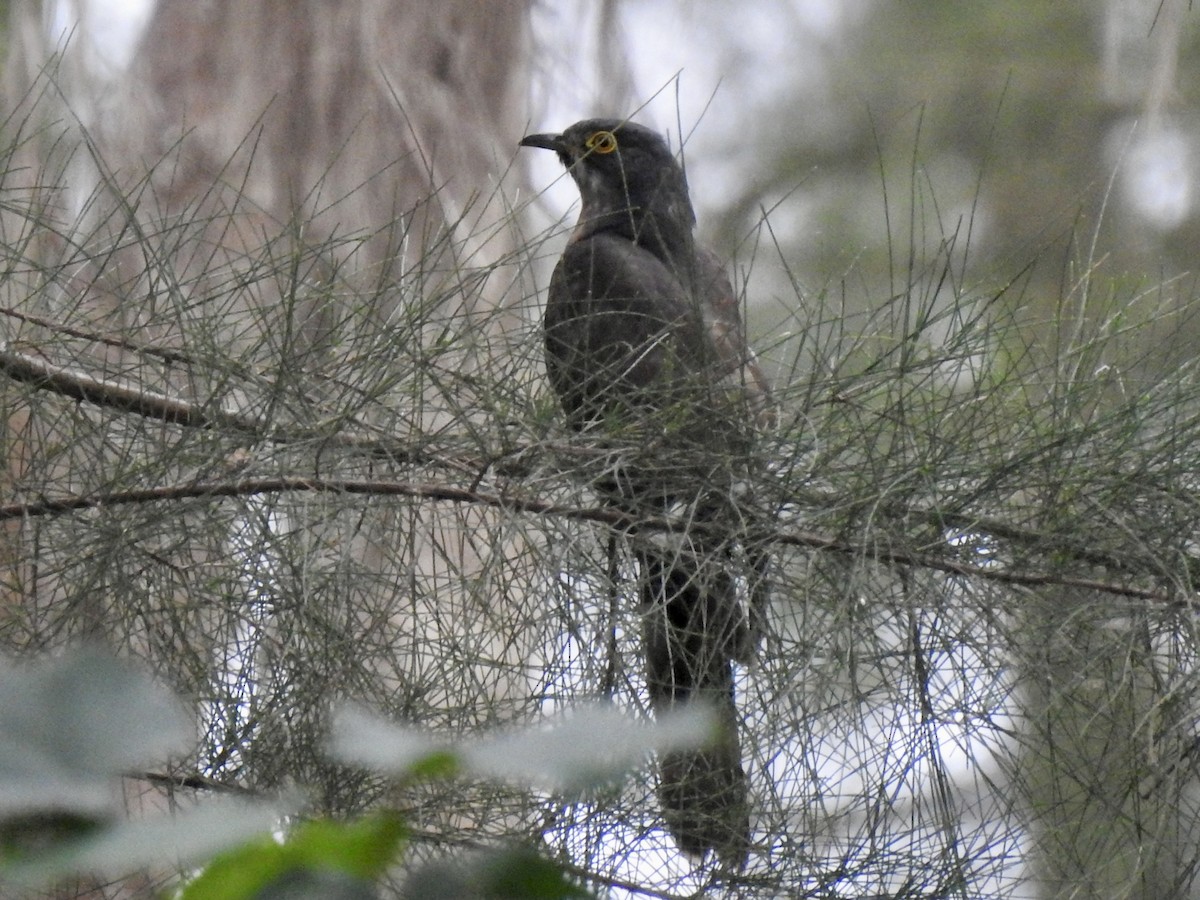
{"type": "Point", "coordinates": [702, 67]}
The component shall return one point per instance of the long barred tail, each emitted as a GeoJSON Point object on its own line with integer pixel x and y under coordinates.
{"type": "Point", "coordinates": [694, 629]}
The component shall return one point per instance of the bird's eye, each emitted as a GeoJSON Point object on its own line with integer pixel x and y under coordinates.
{"type": "Point", "coordinates": [601, 142]}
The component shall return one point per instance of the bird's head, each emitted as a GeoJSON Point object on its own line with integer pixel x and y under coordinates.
{"type": "Point", "coordinates": [623, 170]}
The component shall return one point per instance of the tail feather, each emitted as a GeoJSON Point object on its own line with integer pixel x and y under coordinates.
{"type": "Point", "coordinates": [694, 629]}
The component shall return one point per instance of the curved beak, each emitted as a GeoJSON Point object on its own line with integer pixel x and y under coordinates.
{"type": "Point", "coordinates": [545, 141]}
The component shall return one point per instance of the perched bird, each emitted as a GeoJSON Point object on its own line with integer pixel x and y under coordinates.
{"type": "Point", "coordinates": [646, 351]}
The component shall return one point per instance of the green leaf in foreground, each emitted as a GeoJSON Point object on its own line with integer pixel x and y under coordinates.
{"type": "Point", "coordinates": [510, 874]}
{"type": "Point", "coordinates": [360, 850]}
{"type": "Point", "coordinates": [70, 723]}
{"type": "Point", "coordinates": [587, 746]}
{"type": "Point", "coordinates": [186, 838]}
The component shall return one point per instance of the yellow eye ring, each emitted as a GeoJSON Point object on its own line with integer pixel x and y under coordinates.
{"type": "Point", "coordinates": [601, 142]}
